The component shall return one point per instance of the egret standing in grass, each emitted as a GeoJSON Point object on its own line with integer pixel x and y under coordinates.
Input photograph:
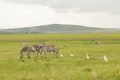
{"type": "Point", "coordinates": [87, 56]}
{"type": "Point", "coordinates": [71, 55]}
{"type": "Point", "coordinates": [61, 55]}
{"type": "Point", "coordinates": [105, 58]}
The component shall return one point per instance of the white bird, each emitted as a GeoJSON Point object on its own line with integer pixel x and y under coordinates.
{"type": "Point", "coordinates": [61, 55]}
{"type": "Point", "coordinates": [87, 56]}
{"type": "Point", "coordinates": [71, 55]}
{"type": "Point", "coordinates": [105, 59]}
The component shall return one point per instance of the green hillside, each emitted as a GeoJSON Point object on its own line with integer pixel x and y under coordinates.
{"type": "Point", "coordinates": [58, 28]}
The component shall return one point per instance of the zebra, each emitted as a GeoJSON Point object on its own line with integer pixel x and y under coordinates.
{"type": "Point", "coordinates": [96, 42]}
{"type": "Point", "coordinates": [28, 49]}
{"type": "Point", "coordinates": [49, 48]}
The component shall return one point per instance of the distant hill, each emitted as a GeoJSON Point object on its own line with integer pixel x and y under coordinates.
{"type": "Point", "coordinates": [58, 28]}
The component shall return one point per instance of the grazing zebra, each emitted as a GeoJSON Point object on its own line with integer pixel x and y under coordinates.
{"type": "Point", "coordinates": [28, 49]}
{"type": "Point", "coordinates": [49, 48]}
{"type": "Point", "coordinates": [96, 42]}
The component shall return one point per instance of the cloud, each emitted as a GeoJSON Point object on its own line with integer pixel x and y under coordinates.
{"type": "Point", "coordinates": [111, 6]}
{"type": "Point", "coordinates": [26, 13]}
{"type": "Point", "coordinates": [14, 15]}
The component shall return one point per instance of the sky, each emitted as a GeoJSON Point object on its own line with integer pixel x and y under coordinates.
{"type": "Point", "coordinates": [27, 13]}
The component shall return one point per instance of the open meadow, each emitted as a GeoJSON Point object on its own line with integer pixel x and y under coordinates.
{"type": "Point", "coordinates": [67, 67]}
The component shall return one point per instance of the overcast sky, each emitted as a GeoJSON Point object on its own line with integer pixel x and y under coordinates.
{"type": "Point", "coordinates": [26, 13]}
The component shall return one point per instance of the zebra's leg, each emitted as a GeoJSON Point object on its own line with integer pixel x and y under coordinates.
{"type": "Point", "coordinates": [41, 53]}
{"type": "Point", "coordinates": [21, 54]}
{"type": "Point", "coordinates": [45, 54]}
{"type": "Point", "coordinates": [54, 54]}
{"type": "Point", "coordinates": [28, 54]}
{"type": "Point", "coordinates": [37, 53]}
{"type": "Point", "coordinates": [57, 53]}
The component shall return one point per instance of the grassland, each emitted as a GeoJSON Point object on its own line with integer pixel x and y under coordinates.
{"type": "Point", "coordinates": [66, 67]}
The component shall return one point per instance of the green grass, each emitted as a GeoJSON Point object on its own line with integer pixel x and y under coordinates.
{"type": "Point", "coordinates": [42, 37]}
{"type": "Point", "coordinates": [66, 67]}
